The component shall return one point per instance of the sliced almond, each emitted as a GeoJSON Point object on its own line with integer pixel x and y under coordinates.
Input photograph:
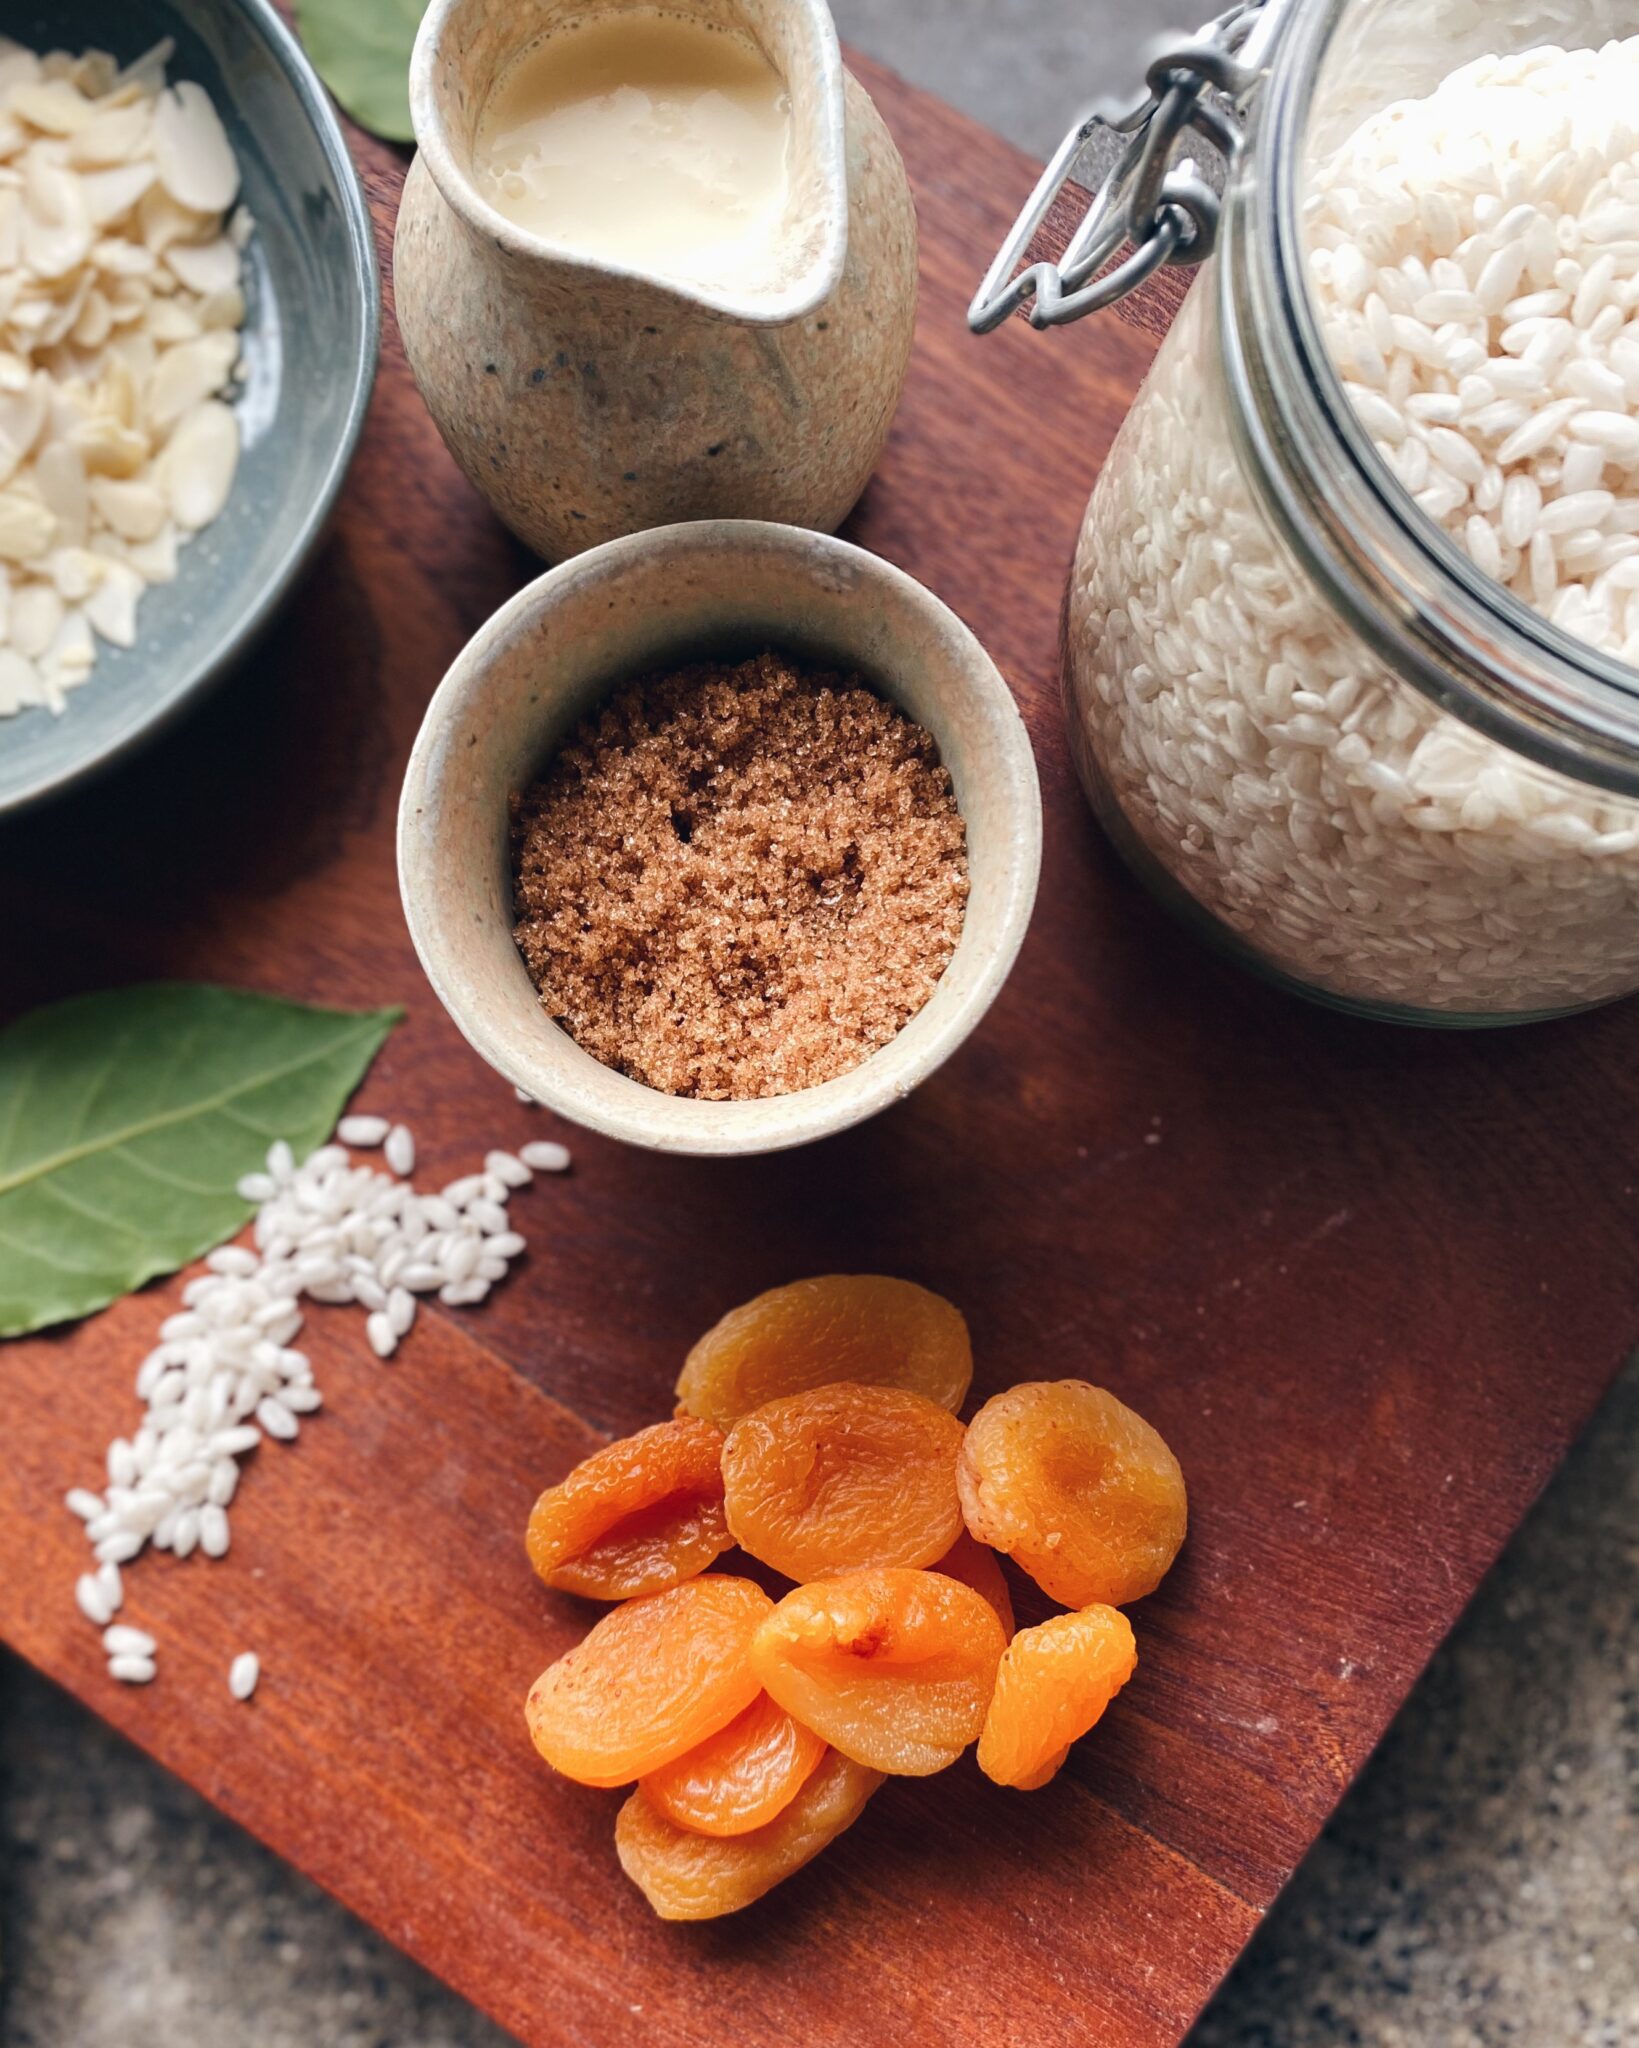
{"type": "Point", "coordinates": [109, 448]}
{"type": "Point", "coordinates": [147, 72]}
{"type": "Point", "coordinates": [64, 315]}
{"type": "Point", "coordinates": [73, 653]}
{"type": "Point", "coordinates": [59, 470]}
{"type": "Point", "coordinates": [154, 560]}
{"type": "Point", "coordinates": [54, 108]}
{"type": "Point", "coordinates": [36, 613]}
{"type": "Point", "coordinates": [19, 685]}
{"type": "Point", "coordinates": [120, 259]}
{"type": "Point", "coordinates": [113, 135]}
{"type": "Point", "coordinates": [191, 149]}
{"type": "Point", "coordinates": [109, 195]}
{"type": "Point", "coordinates": [115, 392]}
{"type": "Point", "coordinates": [222, 309]}
{"type": "Point", "coordinates": [95, 73]}
{"type": "Point", "coordinates": [199, 463]}
{"type": "Point", "coordinates": [22, 415]}
{"type": "Point", "coordinates": [95, 323]}
{"type": "Point", "coordinates": [26, 315]}
{"type": "Point", "coordinates": [135, 349]}
{"type": "Point", "coordinates": [161, 221]}
{"type": "Point", "coordinates": [25, 527]}
{"type": "Point", "coordinates": [57, 233]}
{"type": "Point", "coordinates": [171, 321]}
{"type": "Point", "coordinates": [75, 573]}
{"type": "Point", "coordinates": [184, 375]}
{"type": "Point", "coordinates": [17, 67]}
{"type": "Point", "coordinates": [205, 266]}
{"type": "Point", "coordinates": [134, 509]}
{"type": "Point", "coordinates": [112, 606]}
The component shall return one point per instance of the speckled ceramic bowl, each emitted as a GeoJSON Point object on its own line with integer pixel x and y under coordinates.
{"type": "Point", "coordinates": [311, 330]}
{"type": "Point", "coordinates": [678, 593]}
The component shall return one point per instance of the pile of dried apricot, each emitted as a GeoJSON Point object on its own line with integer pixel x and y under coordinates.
{"type": "Point", "coordinates": [817, 1430]}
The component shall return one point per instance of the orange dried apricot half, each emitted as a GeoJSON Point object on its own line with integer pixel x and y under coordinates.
{"type": "Point", "coordinates": [636, 1517]}
{"type": "Point", "coordinates": [687, 1876]}
{"type": "Point", "coordinates": [1076, 1488]}
{"type": "Point", "coordinates": [843, 1477]}
{"type": "Point", "coordinates": [893, 1667]}
{"type": "Point", "coordinates": [654, 1678]}
{"type": "Point", "coordinates": [739, 1778]}
{"type": "Point", "coordinates": [843, 1326]}
{"type": "Point", "coordinates": [1053, 1684]}
{"type": "Point", "coordinates": [977, 1567]}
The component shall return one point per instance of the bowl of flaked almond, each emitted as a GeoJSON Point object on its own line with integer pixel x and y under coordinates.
{"type": "Point", "coordinates": [189, 315]}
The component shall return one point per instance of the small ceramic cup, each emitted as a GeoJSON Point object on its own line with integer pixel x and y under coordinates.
{"type": "Point", "coordinates": [727, 588]}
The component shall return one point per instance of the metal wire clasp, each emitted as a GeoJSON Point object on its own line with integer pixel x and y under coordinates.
{"type": "Point", "coordinates": [1168, 211]}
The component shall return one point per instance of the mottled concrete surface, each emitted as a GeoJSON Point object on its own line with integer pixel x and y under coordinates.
{"type": "Point", "coordinates": [1480, 1886]}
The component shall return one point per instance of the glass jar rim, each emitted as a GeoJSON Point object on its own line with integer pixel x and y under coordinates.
{"type": "Point", "coordinates": [1387, 567]}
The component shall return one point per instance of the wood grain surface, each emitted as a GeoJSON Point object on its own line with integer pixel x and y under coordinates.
{"type": "Point", "coordinates": [1369, 1284]}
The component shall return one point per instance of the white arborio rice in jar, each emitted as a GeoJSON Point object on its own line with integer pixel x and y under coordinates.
{"type": "Point", "coordinates": [1475, 267]}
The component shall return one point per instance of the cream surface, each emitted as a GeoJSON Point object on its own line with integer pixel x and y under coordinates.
{"type": "Point", "coordinates": [646, 140]}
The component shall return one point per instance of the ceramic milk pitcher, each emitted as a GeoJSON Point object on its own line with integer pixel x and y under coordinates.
{"type": "Point", "coordinates": [585, 399]}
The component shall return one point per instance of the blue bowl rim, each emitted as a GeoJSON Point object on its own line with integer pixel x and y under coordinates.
{"type": "Point", "coordinates": [315, 102]}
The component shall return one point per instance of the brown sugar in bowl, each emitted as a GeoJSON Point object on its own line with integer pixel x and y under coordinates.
{"type": "Point", "coordinates": [719, 589]}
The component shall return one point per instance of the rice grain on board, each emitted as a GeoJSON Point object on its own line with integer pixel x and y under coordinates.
{"type": "Point", "coordinates": [224, 1376]}
{"type": "Point", "coordinates": [1475, 268]}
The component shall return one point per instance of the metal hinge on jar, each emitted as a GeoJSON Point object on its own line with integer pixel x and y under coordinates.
{"type": "Point", "coordinates": [1167, 210]}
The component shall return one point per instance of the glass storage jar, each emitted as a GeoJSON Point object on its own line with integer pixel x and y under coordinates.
{"type": "Point", "coordinates": [1304, 714]}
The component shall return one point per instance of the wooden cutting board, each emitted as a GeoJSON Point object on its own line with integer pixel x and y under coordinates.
{"type": "Point", "coordinates": [1369, 1283]}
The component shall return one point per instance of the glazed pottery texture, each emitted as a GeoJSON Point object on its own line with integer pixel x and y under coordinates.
{"type": "Point", "coordinates": [725, 588]}
{"type": "Point", "coordinates": [309, 359]}
{"type": "Point", "coordinates": [585, 400]}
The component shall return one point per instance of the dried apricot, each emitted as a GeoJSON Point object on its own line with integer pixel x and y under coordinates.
{"type": "Point", "coordinates": [843, 1477]}
{"type": "Point", "coordinates": [654, 1678]}
{"type": "Point", "coordinates": [739, 1778]}
{"type": "Point", "coordinates": [1054, 1682]}
{"type": "Point", "coordinates": [892, 1667]}
{"type": "Point", "coordinates": [977, 1567]}
{"type": "Point", "coordinates": [686, 1876]}
{"type": "Point", "coordinates": [636, 1517]}
{"type": "Point", "coordinates": [1076, 1488]}
{"type": "Point", "coordinates": [843, 1326]}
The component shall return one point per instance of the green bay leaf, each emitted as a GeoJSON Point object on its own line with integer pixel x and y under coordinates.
{"type": "Point", "coordinates": [361, 49]}
{"type": "Point", "coordinates": [128, 1117]}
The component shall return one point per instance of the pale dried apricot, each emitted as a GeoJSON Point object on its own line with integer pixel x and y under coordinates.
{"type": "Point", "coordinates": [978, 1567]}
{"type": "Point", "coordinates": [843, 1477]}
{"type": "Point", "coordinates": [739, 1778]}
{"type": "Point", "coordinates": [892, 1667]}
{"type": "Point", "coordinates": [1076, 1488]}
{"type": "Point", "coordinates": [1053, 1684]}
{"type": "Point", "coordinates": [842, 1326]}
{"type": "Point", "coordinates": [687, 1876]}
{"type": "Point", "coordinates": [636, 1517]}
{"type": "Point", "coordinates": [654, 1678]}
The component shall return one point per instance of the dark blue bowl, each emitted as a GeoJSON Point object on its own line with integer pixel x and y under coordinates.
{"type": "Point", "coordinates": [312, 329]}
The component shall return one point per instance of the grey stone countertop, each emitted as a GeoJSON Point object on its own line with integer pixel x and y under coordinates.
{"type": "Point", "coordinates": [1478, 1887]}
